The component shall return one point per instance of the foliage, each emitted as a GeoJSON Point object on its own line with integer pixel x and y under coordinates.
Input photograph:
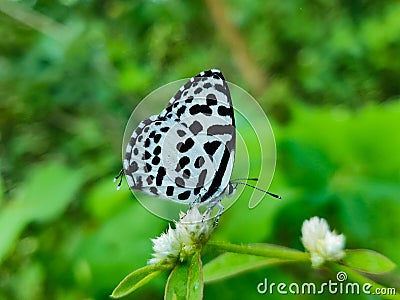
{"type": "Point", "coordinates": [67, 89]}
{"type": "Point", "coordinates": [186, 279]}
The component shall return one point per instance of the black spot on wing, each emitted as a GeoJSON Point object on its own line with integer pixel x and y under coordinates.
{"type": "Point", "coordinates": [164, 129]}
{"type": "Point", "coordinates": [169, 108]}
{"type": "Point", "coordinates": [146, 155]}
{"type": "Point", "coordinates": [220, 130]}
{"type": "Point", "coordinates": [225, 111]}
{"type": "Point", "coordinates": [196, 127]}
{"type": "Point", "coordinates": [211, 147]}
{"type": "Point", "coordinates": [187, 85]}
{"type": "Point", "coordinates": [156, 160]}
{"type": "Point", "coordinates": [207, 85]}
{"type": "Point", "coordinates": [147, 143]}
{"type": "Point", "coordinates": [149, 179]}
{"type": "Point", "coordinates": [221, 88]}
{"type": "Point", "coordinates": [200, 109]}
{"type": "Point", "coordinates": [178, 95]}
{"type": "Point", "coordinates": [128, 155]}
{"type": "Point", "coordinates": [157, 150]}
{"type": "Point", "coordinates": [180, 132]}
{"type": "Point", "coordinates": [181, 111]}
{"type": "Point", "coordinates": [170, 190]}
{"type": "Point", "coordinates": [154, 190]}
{"type": "Point", "coordinates": [186, 173]}
{"type": "Point", "coordinates": [133, 167]}
{"type": "Point", "coordinates": [184, 147]}
{"type": "Point", "coordinates": [160, 175]}
{"type": "Point", "coordinates": [196, 191]}
{"type": "Point", "coordinates": [182, 163]}
{"type": "Point", "coordinates": [189, 99]}
{"type": "Point", "coordinates": [147, 168]}
{"type": "Point", "coordinates": [202, 178]}
{"type": "Point", "coordinates": [199, 162]}
{"type": "Point", "coordinates": [157, 138]}
{"type": "Point", "coordinates": [211, 99]}
{"type": "Point", "coordinates": [179, 182]}
{"type": "Point", "coordinates": [184, 195]}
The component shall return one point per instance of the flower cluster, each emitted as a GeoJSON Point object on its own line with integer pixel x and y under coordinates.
{"type": "Point", "coordinates": [190, 234]}
{"type": "Point", "coordinates": [323, 244]}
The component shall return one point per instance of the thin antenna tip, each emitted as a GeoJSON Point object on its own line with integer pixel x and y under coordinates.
{"type": "Point", "coordinates": [274, 195]}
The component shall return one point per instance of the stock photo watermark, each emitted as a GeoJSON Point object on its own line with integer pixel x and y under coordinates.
{"type": "Point", "coordinates": [338, 287]}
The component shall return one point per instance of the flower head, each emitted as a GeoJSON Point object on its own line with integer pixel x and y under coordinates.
{"type": "Point", "coordinates": [323, 244]}
{"type": "Point", "coordinates": [190, 235]}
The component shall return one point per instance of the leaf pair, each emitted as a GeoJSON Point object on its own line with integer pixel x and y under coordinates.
{"type": "Point", "coordinates": [184, 282]}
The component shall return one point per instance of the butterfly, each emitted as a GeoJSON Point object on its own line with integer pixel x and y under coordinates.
{"type": "Point", "coordinates": [186, 153]}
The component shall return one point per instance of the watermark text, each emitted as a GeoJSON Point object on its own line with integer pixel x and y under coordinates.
{"type": "Point", "coordinates": [339, 286]}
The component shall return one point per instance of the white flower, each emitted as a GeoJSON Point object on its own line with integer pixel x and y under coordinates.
{"type": "Point", "coordinates": [323, 244]}
{"type": "Point", "coordinates": [190, 234]}
{"type": "Point", "coordinates": [166, 247]}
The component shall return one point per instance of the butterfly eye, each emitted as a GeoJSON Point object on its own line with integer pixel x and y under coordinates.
{"type": "Point", "coordinates": [231, 189]}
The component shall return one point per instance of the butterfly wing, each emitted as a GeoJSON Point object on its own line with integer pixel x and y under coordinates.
{"type": "Point", "coordinates": [187, 152]}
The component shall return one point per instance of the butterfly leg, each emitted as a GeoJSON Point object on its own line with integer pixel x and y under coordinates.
{"type": "Point", "coordinates": [191, 206]}
{"type": "Point", "coordinates": [119, 176]}
{"type": "Point", "coordinates": [221, 210]}
{"type": "Point", "coordinates": [209, 210]}
{"type": "Point", "coordinates": [195, 202]}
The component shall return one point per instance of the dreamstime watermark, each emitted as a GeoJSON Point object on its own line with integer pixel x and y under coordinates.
{"type": "Point", "coordinates": [338, 287]}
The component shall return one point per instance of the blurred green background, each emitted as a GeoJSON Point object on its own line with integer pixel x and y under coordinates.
{"type": "Point", "coordinates": [327, 73]}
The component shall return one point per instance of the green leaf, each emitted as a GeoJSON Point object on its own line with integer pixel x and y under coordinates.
{"type": "Point", "coordinates": [195, 279]}
{"type": "Point", "coordinates": [1, 190]}
{"type": "Point", "coordinates": [177, 283]}
{"type": "Point", "coordinates": [48, 190]}
{"type": "Point", "coordinates": [231, 264]}
{"type": "Point", "coordinates": [368, 261]}
{"type": "Point", "coordinates": [136, 279]}
{"type": "Point", "coordinates": [12, 222]}
{"type": "Point", "coordinates": [45, 194]}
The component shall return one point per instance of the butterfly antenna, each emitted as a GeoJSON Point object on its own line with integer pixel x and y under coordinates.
{"type": "Point", "coordinates": [258, 189]}
{"type": "Point", "coordinates": [119, 176]}
{"type": "Point", "coordinates": [245, 179]}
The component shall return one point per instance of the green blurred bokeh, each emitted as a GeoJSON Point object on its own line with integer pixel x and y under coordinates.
{"type": "Point", "coordinates": [325, 72]}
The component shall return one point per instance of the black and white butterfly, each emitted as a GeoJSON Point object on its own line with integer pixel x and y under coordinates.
{"type": "Point", "coordinates": [186, 153]}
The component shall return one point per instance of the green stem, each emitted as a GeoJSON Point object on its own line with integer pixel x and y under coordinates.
{"type": "Point", "coordinates": [266, 250]}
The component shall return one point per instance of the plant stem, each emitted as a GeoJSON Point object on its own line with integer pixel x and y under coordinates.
{"type": "Point", "coordinates": [266, 250]}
